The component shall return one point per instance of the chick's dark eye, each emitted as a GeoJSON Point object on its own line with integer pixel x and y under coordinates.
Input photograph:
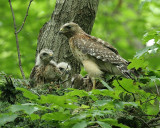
{"type": "Point", "coordinates": [61, 69]}
{"type": "Point", "coordinates": [44, 54]}
{"type": "Point", "coordinates": [68, 27]}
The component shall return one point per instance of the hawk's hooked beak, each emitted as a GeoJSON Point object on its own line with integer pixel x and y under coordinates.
{"type": "Point", "coordinates": [61, 31]}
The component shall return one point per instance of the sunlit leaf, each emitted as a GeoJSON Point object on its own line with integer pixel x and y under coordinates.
{"type": "Point", "coordinates": [29, 109]}
{"type": "Point", "coordinates": [7, 117]}
{"type": "Point", "coordinates": [103, 124]}
{"type": "Point", "coordinates": [28, 94]}
{"type": "Point", "coordinates": [137, 63]}
{"type": "Point", "coordinates": [82, 124]}
{"type": "Point", "coordinates": [55, 116]}
{"type": "Point", "coordinates": [34, 116]}
{"type": "Point", "coordinates": [106, 85]}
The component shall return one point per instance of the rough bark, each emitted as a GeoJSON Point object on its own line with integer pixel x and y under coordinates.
{"type": "Point", "coordinates": [82, 12]}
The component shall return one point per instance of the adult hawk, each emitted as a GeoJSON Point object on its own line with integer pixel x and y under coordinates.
{"type": "Point", "coordinates": [45, 69]}
{"type": "Point", "coordinates": [97, 56]}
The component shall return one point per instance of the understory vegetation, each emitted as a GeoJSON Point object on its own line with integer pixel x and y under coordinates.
{"type": "Point", "coordinates": [124, 103]}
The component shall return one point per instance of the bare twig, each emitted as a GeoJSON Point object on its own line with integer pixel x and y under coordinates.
{"type": "Point", "coordinates": [153, 120]}
{"type": "Point", "coordinates": [122, 86]}
{"type": "Point", "coordinates": [149, 100]}
{"type": "Point", "coordinates": [153, 125]}
{"type": "Point", "coordinates": [16, 34]}
{"type": "Point", "coordinates": [25, 17]}
{"type": "Point", "coordinates": [125, 89]}
{"type": "Point", "coordinates": [143, 121]}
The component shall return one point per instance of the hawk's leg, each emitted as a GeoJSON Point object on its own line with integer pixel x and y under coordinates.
{"type": "Point", "coordinates": [93, 82]}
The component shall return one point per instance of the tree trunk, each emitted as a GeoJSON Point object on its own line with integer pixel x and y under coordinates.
{"type": "Point", "coordinates": [82, 12]}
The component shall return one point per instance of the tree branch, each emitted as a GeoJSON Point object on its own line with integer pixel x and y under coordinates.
{"type": "Point", "coordinates": [25, 17]}
{"type": "Point", "coordinates": [16, 34]}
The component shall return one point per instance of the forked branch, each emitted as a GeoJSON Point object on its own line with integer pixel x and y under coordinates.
{"type": "Point", "coordinates": [16, 34]}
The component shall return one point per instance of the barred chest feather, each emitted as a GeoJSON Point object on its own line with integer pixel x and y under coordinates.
{"type": "Point", "coordinates": [90, 66]}
{"type": "Point", "coordinates": [76, 52]}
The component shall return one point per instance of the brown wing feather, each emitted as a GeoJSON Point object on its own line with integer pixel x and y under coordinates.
{"type": "Point", "coordinates": [33, 75]}
{"type": "Point", "coordinates": [98, 49]}
{"type": "Point", "coordinates": [105, 44]}
{"type": "Point", "coordinates": [52, 73]}
{"type": "Point", "coordinates": [33, 72]}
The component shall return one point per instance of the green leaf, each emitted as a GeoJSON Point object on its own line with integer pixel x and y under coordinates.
{"type": "Point", "coordinates": [103, 124]}
{"type": "Point", "coordinates": [82, 124]}
{"type": "Point", "coordinates": [84, 106]}
{"type": "Point", "coordinates": [62, 101]}
{"type": "Point", "coordinates": [101, 102]}
{"type": "Point", "coordinates": [83, 72]}
{"type": "Point", "coordinates": [34, 116]}
{"type": "Point", "coordinates": [127, 84]}
{"type": "Point", "coordinates": [130, 103]}
{"type": "Point", "coordinates": [105, 92]}
{"type": "Point", "coordinates": [7, 117]}
{"type": "Point", "coordinates": [76, 92]}
{"type": "Point", "coordinates": [106, 85]}
{"type": "Point", "coordinates": [113, 122]}
{"type": "Point", "coordinates": [153, 109]}
{"type": "Point", "coordinates": [27, 108]}
{"type": "Point", "coordinates": [137, 63]}
{"type": "Point", "coordinates": [59, 116]}
{"type": "Point", "coordinates": [105, 104]}
{"type": "Point", "coordinates": [121, 125]}
{"type": "Point", "coordinates": [153, 34]}
{"type": "Point", "coordinates": [101, 113]}
{"type": "Point", "coordinates": [28, 94]}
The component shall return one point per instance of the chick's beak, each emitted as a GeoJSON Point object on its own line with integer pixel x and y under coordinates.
{"type": "Point", "coordinates": [61, 31]}
{"type": "Point", "coordinates": [51, 56]}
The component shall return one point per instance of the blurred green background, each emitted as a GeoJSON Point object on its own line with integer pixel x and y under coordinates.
{"type": "Point", "coordinates": [121, 23]}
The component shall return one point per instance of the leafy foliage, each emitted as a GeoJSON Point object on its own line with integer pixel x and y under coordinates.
{"type": "Point", "coordinates": [124, 103]}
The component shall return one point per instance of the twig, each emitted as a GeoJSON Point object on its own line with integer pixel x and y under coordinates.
{"type": "Point", "coordinates": [153, 125]}
{"type": "Point", "coordinates": [122, 86]}
{"type": "Point", "coordinates": [64, 81]}
{"type": "Point", "coordinates": [25, 17]}
{"type": "Point", "coordinates": [143, 121]}
{"type": "Point", "coordinates": [16, 34]}
{"type": "Point", "coordinates": [149, 100]}
{"type": "Point", "coordinates": [125, 89]}
{"type": "Point", "coordinates": [153, 120]}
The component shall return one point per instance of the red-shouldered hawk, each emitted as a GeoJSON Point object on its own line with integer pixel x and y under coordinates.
{"type": "Point", "coordinates": [45, 69]}
{"type": "Point", "coordinates": [96, 55]}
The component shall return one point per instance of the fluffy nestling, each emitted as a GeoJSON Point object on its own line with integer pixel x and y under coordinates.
{"type": "Point", "coordinates": [97, 56]}
{"type": "Point", "coordinates": [64, 67]}
{"type": "Point", "coordinates": [45, 69]}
